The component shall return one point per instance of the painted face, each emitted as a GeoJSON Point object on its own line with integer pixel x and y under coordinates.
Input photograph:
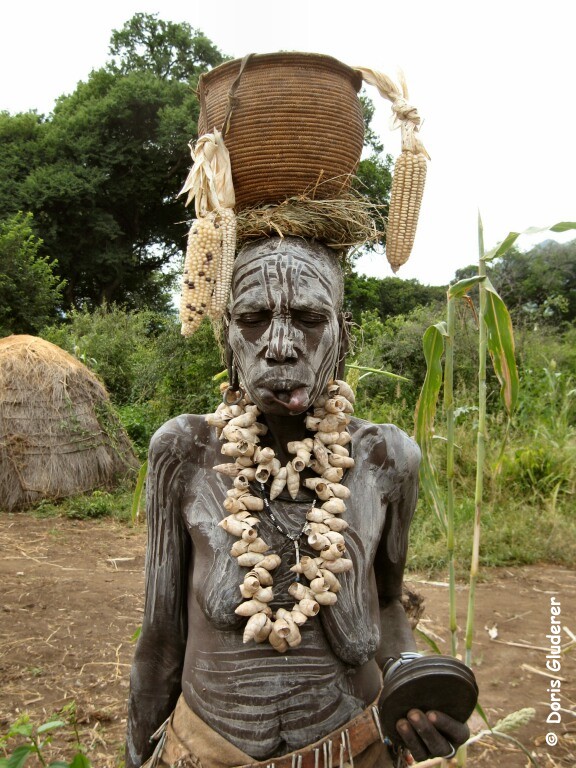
{"type": "Point", "coordinates": [284, 327]}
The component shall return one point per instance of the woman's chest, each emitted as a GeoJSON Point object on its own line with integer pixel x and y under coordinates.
{"type": "Point", "coordinates": [280, 533]}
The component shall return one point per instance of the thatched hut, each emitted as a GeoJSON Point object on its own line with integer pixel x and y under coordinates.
{"type": "Point", "coordinates": [58, 432]}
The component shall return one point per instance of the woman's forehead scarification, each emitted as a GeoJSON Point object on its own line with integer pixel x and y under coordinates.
{"type": "Point", "coordinates": [283, 268]}
{"type": "Point", "coordinates": [295, 270]}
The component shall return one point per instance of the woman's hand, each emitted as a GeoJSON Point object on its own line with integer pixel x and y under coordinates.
{"type": "Point", "coordinates": [431, 734]}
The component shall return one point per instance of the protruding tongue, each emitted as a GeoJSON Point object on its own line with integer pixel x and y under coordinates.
{"type": "Point", "coordinates": [294, 399]}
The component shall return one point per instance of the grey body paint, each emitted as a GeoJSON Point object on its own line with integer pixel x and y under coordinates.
{"type": "Point", "coordinates": [191, 642]}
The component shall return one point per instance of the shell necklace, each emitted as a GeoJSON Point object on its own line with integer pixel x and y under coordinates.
{"type": "Point", "coordinates": [236, 420]}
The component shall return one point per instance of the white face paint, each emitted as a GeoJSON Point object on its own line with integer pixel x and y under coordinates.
{"type": "Point", "coordinates": [284, 327]}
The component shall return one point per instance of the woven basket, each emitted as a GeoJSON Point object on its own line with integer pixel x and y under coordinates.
{"type": "Point", "coordinates": [295, 126]}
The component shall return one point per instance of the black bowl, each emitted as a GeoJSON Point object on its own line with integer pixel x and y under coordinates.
{"type": "Point", "coordinates": [441, 683]}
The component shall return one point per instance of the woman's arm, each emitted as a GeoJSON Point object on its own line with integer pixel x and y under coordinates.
{"type": "Point", "coordinates": [155, 680]}
{"type": "Point", "coordinates": [399, 504]}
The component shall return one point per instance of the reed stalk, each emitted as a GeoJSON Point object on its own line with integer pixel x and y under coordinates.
{"type": "Point", "coordinates": [449, 416]}
{"type": "Point", "coordinates": [480, 445]}
{"type": "Point", "coordinates": [480, 458]}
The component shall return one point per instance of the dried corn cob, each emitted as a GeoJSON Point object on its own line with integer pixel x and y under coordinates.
{"type": "Point", "coordinates": [409, 171]}
{"type": "Point", "coordinates": [201, 266]}
{"type": "Point", "coordinates": [227, 222]}
{"type": "Point", "coordinates": [405, 201]}
{"type": "Point", "coordinates": [209, 184]}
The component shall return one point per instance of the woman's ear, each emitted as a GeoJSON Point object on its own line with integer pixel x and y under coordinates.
{"type": "Point", "coordinates": [344, 322]}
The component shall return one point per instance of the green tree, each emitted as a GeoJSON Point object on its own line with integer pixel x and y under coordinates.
{"type": "Point", "coordinates": [111, 341]}
{"type": "Point", "coordinates": [105, 195]}
{"type": "Point", "coordinates": [400, 297]}
{"type": "Point", "coordinates": [101, 175]}
{"type": "Point", "coordinates": [362, 294]}
{"type": "Point", "coordinates": [388, 296]}
{"type": "Point", "coordinates": [168, 50]}
{"type": "Point", "coordinates": [150, 371]}
{"type": "Point", "coordinates": [19, 153]}
{"type": "Point", "coordinates": [538, 285]}
{"type": "Point", "coordinates": [374, 172]}
{"type": "Point", "coordinates": [30, 293]}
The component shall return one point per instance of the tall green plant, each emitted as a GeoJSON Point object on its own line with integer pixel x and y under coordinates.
{"type": "Point", "coordinates": [495, 337]}
{"type": "Point", "coordinates": [439, 343]}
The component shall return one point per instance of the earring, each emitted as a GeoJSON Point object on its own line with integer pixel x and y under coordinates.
{"type": "Point", "coordinates": [232, 396]}
{"type": "Point", "coordinates": [233, 381]}
{"type": "Point", "coordinates": [234, 393]}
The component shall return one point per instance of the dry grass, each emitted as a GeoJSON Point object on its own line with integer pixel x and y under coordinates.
{"type": "Point", "coordinates": [349, 222]}
{"type": "Point", "coordinates": [58, 433]}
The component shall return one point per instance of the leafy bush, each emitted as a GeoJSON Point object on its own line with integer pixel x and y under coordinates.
{"type": "Point", "coordinates": [30, 292]}
{"type": "Point", "coordinates": [177, 375]}
{"type": "Point", "coordinates": [144, 362]}
{"type": "Point", "coordinates": [396, 346]}
{"type": "Point", "coordinates": [111, 342]}
{"type": "Point", "coordinates": [536, 469]}
{"type": "Point", "coordinates": [90, 506]}
{"type": "Point", "coordinates": [140, 420]}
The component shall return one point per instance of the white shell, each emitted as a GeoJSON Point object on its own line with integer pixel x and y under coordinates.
{"type": "Point", "coordinates": [263, 576]}
{"type": "Point", "coordinates": [308, 607]}
{"type": "Point", "coordinates": [341, 565]}
{"type": "Point", "coordinates": [340, 491]}
{"type": "Point", "coordinates": [346, 391]}
{"type": "Point", "coordinates": [264, 594]}
{"type": "Point", "coordinates": [333, 474]}
{"type": "Point", "coordinates": [245, 419]}
{"type": "Point", "coordinates": [326, 598]}
{"type": "Point", "coordinates": [328, 437]}
{"type": "Point", "coordinates": [250, 607]}
{"type": "Point", "coordinates": [270, 562]}
{"type": "Point", "coordinates": [257, 628]}
{"type": "Point", "coordinates": [334, 506]}
{"type": "Point", "coordinates": [239, 548]}
{"type": "Point", "coordinates": [258, 545]}
{"type": "Point", "coordinates": [231, 470]}
{"type": "Point", "coordinates": [299, 591]}
{"type": "Point", "coordinates": [340, 461]}
{"type": "Point", "coordinates": [250, 559]}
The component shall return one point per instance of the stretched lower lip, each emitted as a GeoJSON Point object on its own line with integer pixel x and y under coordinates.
{"type": "Point", "coordinates": [294, 399]}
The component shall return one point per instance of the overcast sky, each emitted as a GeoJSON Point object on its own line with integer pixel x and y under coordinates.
{"type": "Point", "coordinates": [494, 82]}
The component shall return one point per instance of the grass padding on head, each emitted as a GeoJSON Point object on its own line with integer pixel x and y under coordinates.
{"type": "Point", "coordinates": [351, 221]}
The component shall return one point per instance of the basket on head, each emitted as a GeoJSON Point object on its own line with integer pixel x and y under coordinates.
{"type": "Point", "coordinates": [280, 139]}
{"type": "Point", "coordinates": [292, 123]}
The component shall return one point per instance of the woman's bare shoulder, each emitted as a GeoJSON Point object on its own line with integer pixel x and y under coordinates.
{"type": "Point", "coordinates": [386, 446]}
{"type": "Point", "coordinates": [181, 438]}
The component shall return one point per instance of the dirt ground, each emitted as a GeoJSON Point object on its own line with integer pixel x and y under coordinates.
{"type": "Point", "coordinates": [71, 598]}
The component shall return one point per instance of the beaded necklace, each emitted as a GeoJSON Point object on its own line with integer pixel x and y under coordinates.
{"type": "Point", "coordinates": [294, 537]}
{"type": "Point", "coordinates": [325, 453]}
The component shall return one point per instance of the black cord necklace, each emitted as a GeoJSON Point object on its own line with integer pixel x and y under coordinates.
{"type": "Point", "coordinates": [294, 537]}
